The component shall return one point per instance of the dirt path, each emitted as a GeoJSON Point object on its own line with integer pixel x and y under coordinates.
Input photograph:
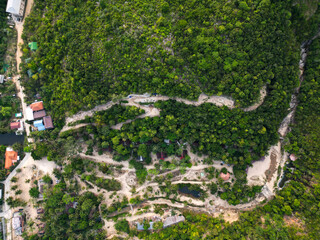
{"type": "Point", "coordinates": [151, 111]}
{"type": "Point", "coordinates": [21, 95]}
{"type": "Point", "coordinates": [263, 94]}
{"type": "Point", "coordinates": [135, 99]}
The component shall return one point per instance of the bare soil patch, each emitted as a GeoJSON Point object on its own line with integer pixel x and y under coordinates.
{"type": "Point", "coordinates": [272, 168]}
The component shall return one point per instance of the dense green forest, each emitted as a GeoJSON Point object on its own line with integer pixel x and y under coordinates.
{"type": "Point", "coordinates": [68, 221]}
{"type": "Point", "coordinates": [90, 53]}
{"type": "Point", "coordinates": [295, 212]}
{"type": "Point", "coordinates": [3, 33]}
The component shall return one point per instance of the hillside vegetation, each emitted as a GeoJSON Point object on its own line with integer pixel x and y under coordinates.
{"type": "Point", "coordinates": [90, 53]}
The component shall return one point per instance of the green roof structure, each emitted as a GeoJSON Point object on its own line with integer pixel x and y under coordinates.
{"type": "Point", "coordinates": [33, 46]}
{"type": "Point", "coordinates": [30, 73]}
{"type": "Point", "coordinates": [18, 115]}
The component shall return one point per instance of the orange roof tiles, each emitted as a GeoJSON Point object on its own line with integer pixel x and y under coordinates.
{"type": "Point", "coordinates": [225, 177]}
{"type": "Point", "coordinates": [14, 125]}
{"type": "Point", "coordinates": [11, 158]}
{"type": "Point", "coordinates": [37, 106]}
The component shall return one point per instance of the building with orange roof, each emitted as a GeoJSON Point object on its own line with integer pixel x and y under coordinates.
{"type": "Point", "coordinates": [225, 176]}
{"type": "Point", "coordinates": [11, 158]}
{"type": "Point", "coordinates": [18, 126]}
{"type": "Point", "coordinates": [37, 106]}
{"type": "Point", "coordinates": [14, 125]}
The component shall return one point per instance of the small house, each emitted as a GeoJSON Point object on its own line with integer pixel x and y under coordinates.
{"type": "Point", "coordinates": [39, 125]}
{"type": "Point", "coordinates": [140, 159]}
{"type": "Point", "coordinates": [33, 46]}
{"type": "Point", "coordinates": [16, 9]}
{"type": "Point", "coordinates": [37, 106]}
{"type": "Point", "coordinates": [11, 158]}
{"type": "Point", "coordinates": [14, 125]}
{"type": "Point", "coordinates": [18, 115]}
{"type": "Point", "coordinates": [1, 78]}
{"type": "Point", "coordinates": [18, 126]}
{"type": "Point", "coordinates": [48, 124]}
{"type": "Point", "coordinates": [17, 223]}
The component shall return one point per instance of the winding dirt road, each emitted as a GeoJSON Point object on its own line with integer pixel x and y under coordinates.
{"type": "Point", "coordinates": [151, 111]}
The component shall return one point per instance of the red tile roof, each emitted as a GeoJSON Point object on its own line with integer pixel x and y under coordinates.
{"type": "Point", "coordinates": [37, 106]}
{"type": "Point", "coordinates": [11, 158]}
{"type": "Point", "coordinates": [15, 125]}
{"type": "Point", "coordinates": [39, 114]}
{"type": "Point", "coordinates": [225, 177]}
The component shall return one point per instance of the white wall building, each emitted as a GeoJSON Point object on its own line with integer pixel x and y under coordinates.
{"type": "Point", "coordinates": [16, 8]}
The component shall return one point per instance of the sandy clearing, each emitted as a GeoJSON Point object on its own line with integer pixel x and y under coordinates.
{"type": "Point", "coordinates": [106, 158]}
{"type": "Point", "coordinates": [230, 216]}
{"type": "Point", "coordinates": [257, 174]}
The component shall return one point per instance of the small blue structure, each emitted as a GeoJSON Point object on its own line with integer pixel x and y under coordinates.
{"type": "Point", "coordinates": [39, 125]}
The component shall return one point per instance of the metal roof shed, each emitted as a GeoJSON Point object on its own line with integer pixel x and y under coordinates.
{"type": "Point", "coordinates": [15, 7]}
{"type": "Point", "coordinates": [30, 73]}
{"type": "Point", "coordinates": [39, 114]}
{"type": "Point", "coordinates": [33, 46]}
{"type": "Point", "coordinates": [29, 114]}
{"type": "Point", "coordinates": [39, 124]}
{"type": "Point", "coordinates": [48, 122]}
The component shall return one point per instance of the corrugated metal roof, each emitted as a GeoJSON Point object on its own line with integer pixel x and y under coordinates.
{"type": "Point", "coordinates": [29, 114]}
{"type": "Point", "coordinates": [38, 124]}
{"type": "Point", "coordinates": [48, 122]}
{"type": "Point", "coordinates": [39, 114]}
{"type": "Point", "coordinates": [14, 6]}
